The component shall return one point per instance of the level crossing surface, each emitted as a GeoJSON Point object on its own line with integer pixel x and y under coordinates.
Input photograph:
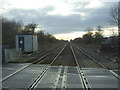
{"type": "Point", "coordinates": [57, 77]}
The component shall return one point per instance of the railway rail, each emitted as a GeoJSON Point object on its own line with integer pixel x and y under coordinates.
{"type": "Point", "coordinates": [97, 62]}
{"type": "Point", "coordinates": [36, 81]}
{"type": "Point", "coordinates": [85, 81]}
{"type": "Point", "coordinates": [61, 76]}
{"type": "Point", "coordinates": [39, 60]}
{"type": "Point", "coordinates": [81, 74]}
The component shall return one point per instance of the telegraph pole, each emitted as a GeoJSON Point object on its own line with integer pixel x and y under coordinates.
{"type": "Point", "coordinates": [119, 19]}
{"type": "Point", "coordinates": [119, 30]}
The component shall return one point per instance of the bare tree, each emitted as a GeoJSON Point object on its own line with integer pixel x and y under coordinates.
{"type": "Point", "coordinates": [88, 37]}
{"type": "Point", "coordinates": [115, 19]}
{"type": "Point", "coordinates": [29, 28]}
{"type": "Point", "coordinates": [9, 30]}
{"type": "Point", "coordinates": [99, 28]}
{"type": "Point", "coordinates": [115, 15]}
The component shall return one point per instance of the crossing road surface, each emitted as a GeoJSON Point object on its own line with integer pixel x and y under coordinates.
{"type": "Point", "coordinates": [57, 77]}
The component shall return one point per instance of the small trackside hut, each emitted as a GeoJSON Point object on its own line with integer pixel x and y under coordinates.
{"type": "Point", "coordinates": [27, 43]}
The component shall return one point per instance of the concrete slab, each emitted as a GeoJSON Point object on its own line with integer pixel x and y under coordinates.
{"type": "Point", "coordinates": [117, 72]}
{"type": "Point", "coordinates": [8, 69]}
{"type": "Point", "coordinates": [100, 78]}
{"type": "Point", "coordinates": [57, 77]}
{"type": "Point", "coordinates": [24, 78]}
{"type": "Point", "coordinates": [48, 81]}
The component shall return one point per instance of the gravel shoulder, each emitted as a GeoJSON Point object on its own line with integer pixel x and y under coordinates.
{"type": "Point", "coordinates": [99, 57]}
{"type": "Point", "coordinates": [66, 58]}
{"type": "Point", "coordinates": [43, 49]}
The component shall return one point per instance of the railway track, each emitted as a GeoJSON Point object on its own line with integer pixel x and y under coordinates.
{"type": "Point", "coordinates": [85, 81]}
{"type": "Point", "coordinates": [59, 75]}
{"type": "Point", "coordinates": [81, 74]}
{"type": "Point", "coordinates": [41, 75]}
{"type": "Point", "coordinates": [39, 60]}
{"type": "Point", "coordinates": [97, 62]}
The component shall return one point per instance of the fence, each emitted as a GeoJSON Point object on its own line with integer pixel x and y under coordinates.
{"type": "Point", "coordinates": [12, 54]}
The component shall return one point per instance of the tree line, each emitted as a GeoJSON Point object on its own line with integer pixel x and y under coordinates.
{"type": "Point", "coordinates": [97, 37]}
{"type": "Point", "coordinates": [105, 44]}
{"type": "Point", "coordinates": [10, 28]}
{"type": "Point", "coordinates": [90, 37]}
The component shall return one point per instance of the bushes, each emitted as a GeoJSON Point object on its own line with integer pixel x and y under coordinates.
{"type": "Point", "coordinates": [91, 37]}
{"type": "Point", "coordinates": [9, 30]}
{"type": "Point", "coordinates": [88, 37]}
{"type": "Point", "coordinates": [42, 37]}
{"type": "Point", "coordinates": [11, 27]}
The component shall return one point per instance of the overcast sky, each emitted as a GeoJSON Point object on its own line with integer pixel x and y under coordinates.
{"type": "Point", "coordinates": [59, 17]}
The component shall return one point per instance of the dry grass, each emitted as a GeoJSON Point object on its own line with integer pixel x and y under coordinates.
{"type": "Point", "coordinates": [96, 47]}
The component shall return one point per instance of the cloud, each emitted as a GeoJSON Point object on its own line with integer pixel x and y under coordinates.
{"type": "Point", "coordinates": [75, 17]}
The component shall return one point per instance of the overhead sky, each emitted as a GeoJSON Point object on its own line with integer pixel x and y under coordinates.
{"type": "Point", "coordinates": [65, 19]}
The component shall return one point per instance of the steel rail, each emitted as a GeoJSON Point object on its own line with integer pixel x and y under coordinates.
{"type": "Point", "coordinates": [64, 77]}
{"type": "Point", "coordinates": [117, 76]}
{"type": "Point", "coordinates": [81, 74]}
{"type": "Point", "coordinates": [46, 55]}
{"type": "Point", "coordinates": [19, 70]}
{"type": "Point", "coordinates": [41, 75]}
{"type": "Point", "coordinates": [55, 84]}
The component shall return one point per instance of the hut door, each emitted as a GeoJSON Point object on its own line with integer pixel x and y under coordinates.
{"type": "Point", "coordinates": [21, 43]}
